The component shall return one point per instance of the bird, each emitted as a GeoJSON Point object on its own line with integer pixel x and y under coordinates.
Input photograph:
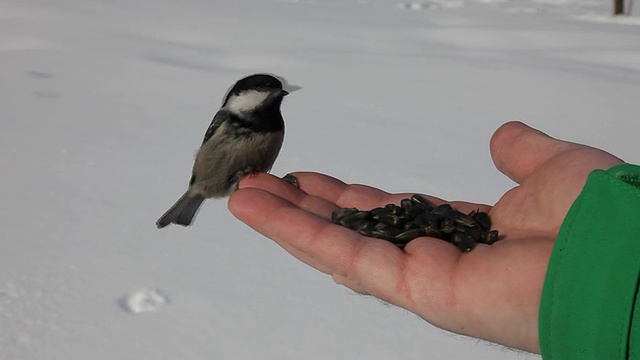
{"type": "Point", "coordinates": [244, 137]}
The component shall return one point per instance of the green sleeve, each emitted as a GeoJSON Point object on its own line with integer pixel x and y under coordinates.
{"type": "Point", "coordinates": [589, 307]}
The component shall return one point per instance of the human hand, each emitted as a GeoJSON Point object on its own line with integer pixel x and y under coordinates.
{"type": "Point", "coordinates": [492, 292]}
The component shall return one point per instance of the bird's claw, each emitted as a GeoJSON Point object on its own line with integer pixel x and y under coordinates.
{"type": "Point", "coordinates": [291, 179]}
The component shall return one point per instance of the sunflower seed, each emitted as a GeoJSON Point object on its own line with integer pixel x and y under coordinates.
{"type": "Point", "coordinates": [463, 241]}
{"type": "Point", "coordinates": [422, 201]}
{"type": "Point", "coordinates": [441, 211]}
{"type": "Point", "coordinates": [417, 217]}
{"type": "Point", "coordinates": [410, 235]}
{"type": "Point", "coordinates": [461, 218]}
{"type": "Point", "coordinates": [340, 213]}
{"type": "Point", "coordinates": [351, 218]}
{"type": "Point", "coordinates": [482, 218]}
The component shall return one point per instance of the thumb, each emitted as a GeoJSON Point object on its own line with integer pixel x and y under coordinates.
{"type": "Point", "coordinates": [518, 150]}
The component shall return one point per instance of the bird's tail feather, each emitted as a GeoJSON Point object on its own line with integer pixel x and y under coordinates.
{"type": "Point", "coordinates": [182, 212]}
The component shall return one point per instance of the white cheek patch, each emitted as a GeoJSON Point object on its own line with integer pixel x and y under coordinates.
{"type": "Point", "coordinates": [247, 101]}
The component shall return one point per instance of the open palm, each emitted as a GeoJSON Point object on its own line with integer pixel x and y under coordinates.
{"type": "Point", "coordinates": [492, 292]}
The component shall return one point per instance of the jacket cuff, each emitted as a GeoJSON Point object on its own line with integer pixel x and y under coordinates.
{"type": "Point", "coordinates": [591, 286]}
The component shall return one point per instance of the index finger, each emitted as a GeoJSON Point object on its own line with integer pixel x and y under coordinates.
{"type": "Point", "coordinates": [363, 197]}
{"type": "Point", "coordinates": [375, 265]}
{"type": "Point", "coordinates": [349, 195]}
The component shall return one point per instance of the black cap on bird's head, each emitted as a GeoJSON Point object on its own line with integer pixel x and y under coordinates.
{"type": "Point", "coordinates": [260, 82]}
{"type": "Point", "coordinates": [263, 83]}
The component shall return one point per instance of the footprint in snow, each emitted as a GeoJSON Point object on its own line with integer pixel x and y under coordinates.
{"type": "Point", "coordinates": [143, 301]}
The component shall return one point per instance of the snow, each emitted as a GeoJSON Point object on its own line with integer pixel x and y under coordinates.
{"type": "Point", "coordinates": [143, 300]}
{"type": "Point", "coordinates": [104, 103]}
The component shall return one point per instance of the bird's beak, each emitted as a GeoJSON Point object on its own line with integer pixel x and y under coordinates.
{"type": "Point", "coordinates": [288, 88]}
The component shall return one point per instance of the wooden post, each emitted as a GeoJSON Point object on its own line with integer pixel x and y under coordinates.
{"type": "Point", "coordinates": [618, 7]}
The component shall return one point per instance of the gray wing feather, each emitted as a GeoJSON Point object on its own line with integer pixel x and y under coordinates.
{"type": "Point", "coordinates": [220, 117]}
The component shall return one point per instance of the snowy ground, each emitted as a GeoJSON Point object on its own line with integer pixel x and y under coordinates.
{"type": "Point", "coordinates": [103, 103]}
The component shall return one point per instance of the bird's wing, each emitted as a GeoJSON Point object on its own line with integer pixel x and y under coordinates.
{"type": "Point", "coordinates": [220, 117]}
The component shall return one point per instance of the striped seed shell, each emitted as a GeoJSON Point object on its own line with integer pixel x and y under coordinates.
{"type": "Point", "coordinates": [422, 201]}
{"type": "Point", "coordinates": [483, 219]}
{"type": "Point", "coordinates": [409, 235]}
{"type": "Point", "coordinates": [338, 214]}
{"type": "Point", "coordinates": [441, 211]}
{"type": "Point", "coordinates": [356, 216]}
{"type": "Point", "coordinates": [489, 237]}
{"type": "Point", "coordinates": [461, 218]}
{"type": "Point", "coordinates": [447, 226]}
{"type": "Point", "coordinates": [463, 241]}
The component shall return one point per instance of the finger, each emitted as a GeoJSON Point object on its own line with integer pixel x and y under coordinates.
{"type": "Point", "coordinates": [350, 283]}
{"type": "Point", "coordinates": [292, 194]}
{"type": "Point", "coordinates": [467, 207]}
{"type": "Point", "coordinates": [366, 197]}
{"type": "Point", "coordinates": [519, 150]}
{"type": "Point", "coordinates": [318, 193]}
{"type": "Point", "coordinates": [243, 208]}
{"type": "Point", "coordinates": [344, 195]}
{"type": "Point", "coordinates": [338, 192]}
{"type": "Point", "coordinates": [374, 264]}
{"type": "Point", "coordinates": [285, 190]}
{"type": "Point", "coordinates": [322, 185]}
{"type": "Point", "coordinates": [305, 258]}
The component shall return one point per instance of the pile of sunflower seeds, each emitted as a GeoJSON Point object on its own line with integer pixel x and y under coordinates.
{"type": "Point", "coordinates": [417, 217]}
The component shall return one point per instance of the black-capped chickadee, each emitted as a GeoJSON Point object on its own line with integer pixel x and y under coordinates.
{"type": "Point", "coordinates": [245, 136]}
